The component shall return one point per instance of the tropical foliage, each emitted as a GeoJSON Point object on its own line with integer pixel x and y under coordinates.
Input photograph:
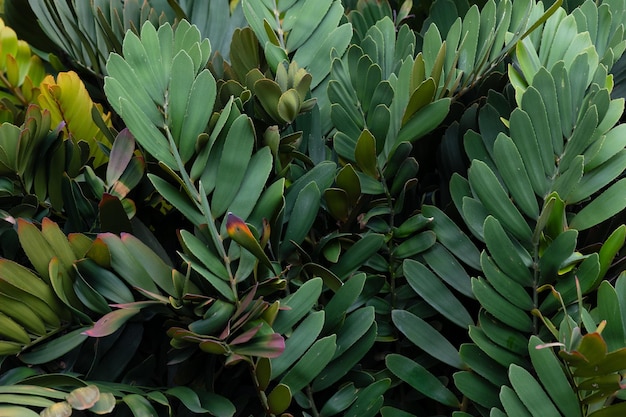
{"type": "Point", "coordinates": [312, 207]}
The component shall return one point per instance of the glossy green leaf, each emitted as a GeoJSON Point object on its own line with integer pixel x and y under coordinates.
{"type": "Point", "coordinates": [416, 244]}
{"type": "Point", "coordinates": [424, 121]}
{"type": "Point", "coordinates": [502, 334]}
{"type": "Point", "coordinates": [204, 254]}
{"type": "Point", "coordinates": [505, 285]}
{"type": "Point", "coordinates": [126, 264]}
{"type": "Point", "coordinates": [452, 237]}
{"type": "Point", "coordinates": [509, 257]}
{"type": "Point", "coordinates": [477, 389]}
{"type": "Point", "coordinates": [420, 379]}
{"type": "Point", "coordinates": [607, 204]}
{"type": "Point", "coordinates": [156, 268]}
{"type": "Point", "coordinates": [483, 365]}
{"type": "Point", "coordinates": [188, 397]}
{"type": "Point", "coordinates": [340, 401]}
{"type": "Point", "coordinates": [491, 194]}
{"type": "Point", "coordinates": [610, 310]}
{"type": "Point", "coordinates": [16, 411]}
{"type": "Point", "coordinates": [531, 393]}
{"type": "Point", "coordinates": [365, 154]}
{"type": "Point", "coordinates": [513, 172]}
{"type": "Point", "coordinates": [306, 206]}
{"type": "Point", "coordinates": [298, 342]}
{"type": "Point", "coordinates": [344, 298]}
{"type": "Point", "coordinates": [437, 294]}
{"type": "Point", "coordinates": [178, 199]}
{"type": "Point", "coordinates": [139, 406]}
{"type": "Point", "coordinates": [55, 348]}
{"type": "Point", "coordinates": [501, 308]}
{"type": "Point", "coordinates": [299, 304]}
{"type": "Point", "coordinates": [357, 254]}
{"type": "Point", "coordinates": [353, 328]}
{"type": "Point", "coordinates": [501, 355]}
{"type": "Point", "coordinates": [512, 403]}
{"type": "Point", "coordinates": [556, 254]}
{"type": "Point", "coordinates": [339, 367]}
{"type": "Point", "coordinates": [423, 335]}
{"type": "Point", "coordinates": [310, 364]}
{"type": "Point", "coordinates": [369, 400]}
{"type": "Point", "coordinates": [104, 282]}
{"type": "Point", "coordinates": [279, 399]}
{"type": "Point", "coordinates": [550, 372]}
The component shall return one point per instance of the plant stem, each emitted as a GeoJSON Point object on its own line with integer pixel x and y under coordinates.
{"type": "Point", "coordinates": [309, 394]}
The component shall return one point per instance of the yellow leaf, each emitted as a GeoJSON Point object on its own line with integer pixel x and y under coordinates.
{"type": "Point", "coordinates": [69, 103]}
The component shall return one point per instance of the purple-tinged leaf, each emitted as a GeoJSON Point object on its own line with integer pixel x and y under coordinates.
{"type": "Point", "coordinates": [246, 336]}
{"type": "Point", "coordinates": [268, 346]}
{"type": "Point", "coordinates": [111, 322]}
{"type": "Point", "coordinates": [120, 156]}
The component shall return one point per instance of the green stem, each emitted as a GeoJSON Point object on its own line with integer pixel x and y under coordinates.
{"type": "Point", "coordinates": [309, 394]}
{"type": "Point", "coordinates": [200, 200]}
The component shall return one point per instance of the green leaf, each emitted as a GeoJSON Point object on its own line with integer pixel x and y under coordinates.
{"type": "Point", "coordinates": [298, 342]}
{"type": "Point", "coordinates": [252, 184]}
{"type": "Point", "coordinates": [501, 355]}
{"type": "Point", "coordinates": [415, 244]}
{"type": "Point", "coordinates": [433, 291]}
{"type": "Point", "coordinates": [139, 406]}
{"type": "Point", "coordinates": [483, 365]}
{"type": "Point", "coordinates": [188, 397]}
{"type": "Point", "coordinates": [339, 367]}
{"type": "Point", "coordinates": [306, 206]}
{"type": "Point", "coordinates": [531, 393]}
{"type": "Point", "coordinates": [340, 401]}
{"type": "Point", "coordinates": [358, 253]}
{"type": "Point", "coordinates": [509, 257]}
{"type": "Point", "coordinates": [369, 400]}
{"type": "Point", "coordinates": [488, 189]}
{"type": "Point", "coordinates": [424, 336]}
{"type": "Point", "coordinates": [233, 163]}
{"type": "Point", "coordinates": [365, 154]}
{"type": "Point", "coordinates": [279, 399]}
{"type": "Point", "coordinates": [550, 372]}
{"type": "Point", "coordinates": [502, 334]}
{"type": "Point", "coordinates": [178, 199]}
{"type": "Point", "coordinates": [346, 295]}
{"type": "Point", "coordinates": [299, 304]}
{"type": "Point", "coordinates": [477, 389]}
{"type": "Point", "coordinates": [154, 266]}
{"type": "Point", "coordinates": [556, 254]}
{"type": "Point", "coordinates": [615, 410]}
{"type": "Point", "coordinates": [606, 205]}
{"type": "Point", "coordinates": [310, 364]}
{"type": "Point", "coordinates": [513, 172]}
{"type": "Point", "coordinates": [452, 237]}
{"type": "Point", "coordinates": [501, 308]}
{"type": "Point", "coordinates": [353, 328]}
{"type": "Point", "coordinates": [505, 285]}
{"type": "Point", "coordinates": [216, 404]}
{"type": "Point", "coordinates": [55, 348]}
{"type": "Point", "coordinates": [424, 121]}
{"type": "Point", "coordinates": [16, 411]}
{"type": "Point", "coordinates": [126, 264]}
{"type": "Point", "coordinates": [609, 309]}
{"type": "Point", "coordinates": [420, 379]}
{"type": "Point", "coordinates": [512, 404]}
